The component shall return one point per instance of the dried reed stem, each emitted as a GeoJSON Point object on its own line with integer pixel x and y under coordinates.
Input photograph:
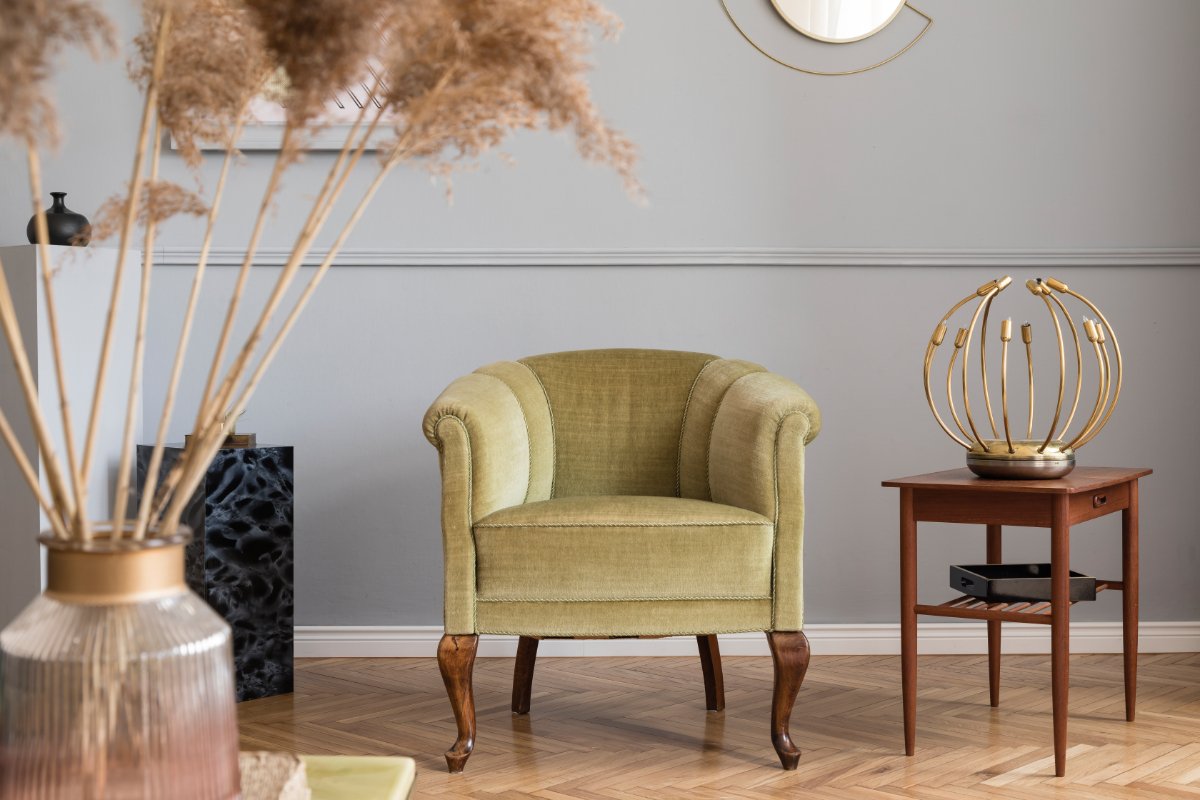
{"type": "Point", "coordinates": [16, 344]}
{"type": "Point", "coordinates": [312, 227]}
{"type": "Point", "coordinates": [148, 110]}
{"type": "Point", "coordinates": [320, 214]}
{"type": "Point", "coordinates": [216, 403]}
{"type": "Point", "coordinates": [306, 295]}
{"type": "Point", "coordinates": [18, 454]}
{"type": "Point", "coordinates": [192, 471]}
{"type": "Point", "coordinates": [212, 408]}
{"type": "Point", "coordinates": [125, 464]}
{"type": "Point", "coordinates": [335, 172]}
{"type": "Point", "coordinates": [78, 482]}
{"type": "Point", "coordinates": [322, 268]}
{"type": "Point", "coordinates": [151, 479]}
{"type": "Point", "coordinates": [208, 440]}
{"type": "Point", "coordinates": [317, 217]}
{"type": "Point", "coordinates": [281, 162]}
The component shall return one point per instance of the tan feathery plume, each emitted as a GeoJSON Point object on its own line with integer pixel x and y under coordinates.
{"type": "Point", "coordinates": [322, 46]}
{"type": "Point", "coordinates": [515, 64]}
{"type": "Point", "coordinates": [217, 65]}
{"type": "Point", "coordinates": [33, 33]}
{"type": "Point", "coordinates": [159, 200]}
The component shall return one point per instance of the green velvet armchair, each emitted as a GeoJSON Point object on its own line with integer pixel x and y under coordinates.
{"type": "Point", "coordinates": [612, 493]}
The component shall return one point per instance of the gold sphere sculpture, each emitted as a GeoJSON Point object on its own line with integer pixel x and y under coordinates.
{"type": "Point", "coordinates": [1006, 454]}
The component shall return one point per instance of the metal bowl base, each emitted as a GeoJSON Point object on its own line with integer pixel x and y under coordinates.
{"type": "Point", "coordinates": [1025, 463]}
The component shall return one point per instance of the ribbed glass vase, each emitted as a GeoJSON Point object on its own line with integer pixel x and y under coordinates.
{"type": "Point", "coordinates": [117, 682]}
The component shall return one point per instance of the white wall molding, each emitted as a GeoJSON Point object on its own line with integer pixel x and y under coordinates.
{"type": "Point", "coordinates": [748, 256]}
{"type": "Point", "coordinates": [934, 638]}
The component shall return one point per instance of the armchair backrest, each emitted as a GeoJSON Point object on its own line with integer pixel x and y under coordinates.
{"type": "Point", "coordinates": [624, 422]}
{"type": "Point", "coordinates": [617, 416]}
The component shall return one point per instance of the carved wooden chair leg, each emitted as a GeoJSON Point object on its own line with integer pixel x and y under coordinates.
{"type": "Point", "coordinates": [790, 654]}
{"type": "Point", "coordinates": [456, 659]}
{"type": "Point", "coordinates": [523, 674]}
{"type": "Point", "coordinates": [714, 681]}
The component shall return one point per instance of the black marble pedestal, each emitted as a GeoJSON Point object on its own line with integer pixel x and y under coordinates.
{"type": "Point", "coordinates": [240, 558]}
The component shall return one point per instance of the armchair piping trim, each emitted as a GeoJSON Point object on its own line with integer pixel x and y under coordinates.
{"type": "Point", "coordinates": [775, 526]}
{"type": "Point", "coordinates": [626, 525]}
{"type": "Point", "coordinates": [686, 407]}
{"type": "Point", "coordinates": [649, 598]}
{"type": "Point", "coordinates": [712, 426]}
{"type": "Point", "coordinates": [553, 430]}
{"type": "Point", "coordinates": [680, 632]}
{"type": "Point", "coordinates": [528, 433]}
{"type": "Point", "coordinates": [470, 499]}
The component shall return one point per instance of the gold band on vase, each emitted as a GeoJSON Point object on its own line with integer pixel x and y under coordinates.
{"type": "Point", "coordinates": [107, 571]}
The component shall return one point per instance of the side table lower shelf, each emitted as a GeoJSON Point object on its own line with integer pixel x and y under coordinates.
{"type": "Point", "coordinates": [1032, 611]}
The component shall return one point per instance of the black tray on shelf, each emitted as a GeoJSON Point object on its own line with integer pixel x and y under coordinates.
{"type": "Point", "coordinates": [1007, 582]}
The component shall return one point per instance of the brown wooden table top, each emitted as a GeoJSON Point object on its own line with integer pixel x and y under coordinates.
{"type": "Point", "coordinates": [1081, 479]}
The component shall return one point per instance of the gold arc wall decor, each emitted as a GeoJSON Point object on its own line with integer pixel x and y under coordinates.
{"type": "Point", "coordinates": [1013, 456]}
{"type": "Point", "coordinates": [818, 20]}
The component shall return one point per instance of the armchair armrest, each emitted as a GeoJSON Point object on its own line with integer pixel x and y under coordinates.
{"type": "Point", "coordinates": [756, 462]}
{"type": "Point", "coordinates": [483, 446]}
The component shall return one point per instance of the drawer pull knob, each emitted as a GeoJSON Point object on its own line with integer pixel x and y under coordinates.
{"type": "Point", "coordinates": [1099, 501]}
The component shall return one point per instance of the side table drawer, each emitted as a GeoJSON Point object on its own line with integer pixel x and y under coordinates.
{"type": "Point", "coordinates": [1097, 503]}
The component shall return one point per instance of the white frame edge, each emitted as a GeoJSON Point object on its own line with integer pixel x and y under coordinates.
{"type": "Point", "coordinates": [261, 136]}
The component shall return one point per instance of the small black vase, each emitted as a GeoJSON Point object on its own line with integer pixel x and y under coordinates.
{"type": "Point", "coordinates": [65, 226]}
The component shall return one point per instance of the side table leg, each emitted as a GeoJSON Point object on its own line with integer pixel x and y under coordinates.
{"type": "Point", "coordinates": [1060, 625]}
{"type": "Point", "coordinates": [908, 618]}
{"type": "Point", "coordinates": [1129, 597]}
{"type": "Point", "coordinates": [993, 626]}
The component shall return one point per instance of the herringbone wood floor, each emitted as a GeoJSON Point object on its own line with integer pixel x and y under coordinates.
{"type": "Point", "coordinates": [636, 729]}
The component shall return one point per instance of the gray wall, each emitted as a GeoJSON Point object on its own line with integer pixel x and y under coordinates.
{"type": "Point", "coordinates": [20, 569]}
{"type": "Point", "coordinates": [84, 275]}
{"type": "Point", "coordinates": [1016, 126]}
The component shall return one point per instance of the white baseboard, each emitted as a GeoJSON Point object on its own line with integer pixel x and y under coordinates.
{"type": "Point", "coordinates": [934, 638]}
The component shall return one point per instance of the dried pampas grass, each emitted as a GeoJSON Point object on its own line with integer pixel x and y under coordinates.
{"type": "Point", "coordinates": [218, 64]}
{"type": "Point", "coordinates": [451, 78]}
{"type": "Point", "coordinates": [158, 202]}
{"type": "Point", "coordinates": [320, 45]}
{"type": "Point", "coordinates": [33, 33]}
{"type": "Point", "coordinates": [463, 74]}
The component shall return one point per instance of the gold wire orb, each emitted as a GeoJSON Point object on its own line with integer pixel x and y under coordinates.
{"type": "Point", "coordinates": [1025, 457]}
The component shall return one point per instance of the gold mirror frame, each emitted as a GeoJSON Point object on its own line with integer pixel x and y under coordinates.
{"type": "Point", "coordinates": [797, 68]}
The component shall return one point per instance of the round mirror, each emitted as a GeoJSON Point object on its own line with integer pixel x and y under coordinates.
{"type": "Point", "coordinates": [838, 20]}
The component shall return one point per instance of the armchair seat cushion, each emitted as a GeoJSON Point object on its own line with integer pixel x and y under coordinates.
{"type": "Point", "coordinates": [623, 548]}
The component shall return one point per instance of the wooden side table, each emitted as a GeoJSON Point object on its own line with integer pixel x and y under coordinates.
{"type": "Point", "coordinates": [959, 496]}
